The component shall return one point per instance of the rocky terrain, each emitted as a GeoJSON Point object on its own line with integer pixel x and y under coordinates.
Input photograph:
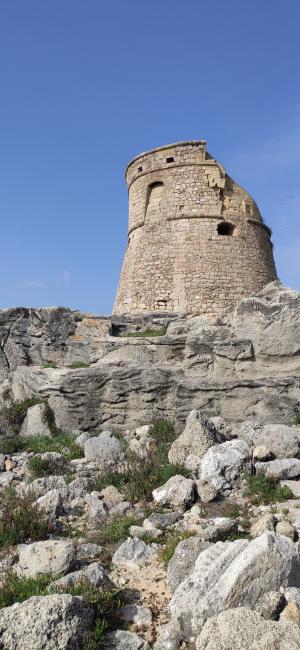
{"type": "Point", "coordinates": [150, 479]}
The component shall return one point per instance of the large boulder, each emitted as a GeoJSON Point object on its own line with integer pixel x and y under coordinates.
{"type": "Point", "coordinates": [198, 436]}
{"type": "Point", "coordinates": [104, 449]}
{"type": "Point", "coordinates": [183, 560]}
{"type": "Point", "coordinates": [243, 629]}
{"type": "Point", "coordinates": [224, 463]}
{"type": "Point", "coordinates": [281, 440]}
{"type": "Point", "coordinates": [233, 574]}
{"type": "Point", "coordinates": [177, 491]}
{"type": "Point", "coordinates": [51, 556]}
{"type": "Point", "coordinates": [57, 622]}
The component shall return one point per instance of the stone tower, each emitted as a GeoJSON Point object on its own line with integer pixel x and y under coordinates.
{"type": "Point", "coordinates": [196, 239]}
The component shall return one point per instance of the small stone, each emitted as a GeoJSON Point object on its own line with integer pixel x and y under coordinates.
{"type": "Point", "coordinates": [141, 616]}
{"type": "Point", "coordinates": [121, 640]}
{"type": "Point", "coordinates": [9, 465]}
{"type": "Point", "coordinates": [133, 552]}
{"type": "Point", "coordinates": [265, 522]}
{"type": "Point", "coordinates": [291, 613]}
{"type": "Point", "coordinates": [285, 528]}
{"type": "Point", "coordinates": [261, 453]}
{"type": "Point", "coordinates": [177, 491]}
{"type": "Point", "coordinates": [270, 605]}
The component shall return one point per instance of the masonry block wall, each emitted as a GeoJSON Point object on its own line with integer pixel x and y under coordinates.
{"type": "Point", "coordinates": [196, 239]}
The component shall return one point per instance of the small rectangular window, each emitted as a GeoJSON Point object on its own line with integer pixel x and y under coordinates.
{"type": "Point", "coordinates": [139, 170]}
{"type": "Point", "coordinates": [169, 160]}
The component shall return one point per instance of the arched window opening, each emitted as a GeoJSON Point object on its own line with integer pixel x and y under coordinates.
{"type": "Point", "coordinates": [153, 200]}
{"type": "Point", "coordinates": [226, 229]}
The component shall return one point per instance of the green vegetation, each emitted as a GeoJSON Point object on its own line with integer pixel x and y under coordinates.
{"type": "Point", "coordinates": [297, 418]}
{"type": "Point", "coordinates": [20, 520]}
{"type": "Point", "coordinates": [266, 489]}
{"type": "Point", "coordinates": [115, 530]}
{"type": "Point", "coordinates": [15, 413]}
{"type": "Point", "coordinates": [49, 364]}
{"type": "Point", "coordinates": [148, 332]}
{"type": "Point", "coordinates": [232, 511]}
{"type": "Point", "coordinates": [106, 605]}
{"type": "Point", "coordinates": [171, 543]}
{"type": "Point", "coordinates": [60, 442]}
{"type": "Point", "coordinates": [10, 444]}
{"type": "Point", "coordinates": [142, 476]}
{"type": "Point", "coordinates": [7, 394]}
{"type": "Point", "coordinates": [16, 590]}
{"type": "Point", "coordinates": [39, 467]}
{"type": "Point", "coordinates": [79, 364]}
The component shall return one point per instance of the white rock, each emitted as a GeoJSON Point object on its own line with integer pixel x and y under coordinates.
{"type": "Point", "coordinates": [103, 449]}
{"type": "Point", "coordinates": [55, 622]}
{"type": "Point", "coordinates": [224, 463]}
{"type": "Point", "coordinates": [177, 491]}
{"type": "Point", "coordinates": [51, 556]}
{"type": "Point", "coordinates": [199, 434]}
{"type": "Point", "coordinates": [284, 468]}
{"type": "Point", "coordinates": [233, 574]}
{"type": "Point", "coordinates": [94, 574]}
{"type": "Point", "coordinates": [121, 640]}
{"type": "Point", "coordinates": [34, 423]}
{"type": "Point", "coordinates": [137, 614]}
{"type": "Point", "coordinates": [243, 629]}
{"type": "Point", "coordinates": [133, 552]}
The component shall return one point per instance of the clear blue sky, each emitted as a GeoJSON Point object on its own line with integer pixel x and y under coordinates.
{"type": "Point", "coordinates": [88, 84]}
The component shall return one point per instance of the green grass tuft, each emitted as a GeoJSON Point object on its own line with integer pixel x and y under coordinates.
{"type": "Point", "coordinates": [40, 467]}
{"type": "Point", "coordinates": [147, 332]}
{"type": "Point", "coordinates": [78, 364]}
{"type": "Point", "coordinates": [266, 489]}
{"type": "Point", "coordinates": [60, 442]}
{"type": "Point", "coordinates": [115, 530]}
{"type": "Point", "coordinates": [16, 590]}
{"type": "Point", "coordinates": [20, 520]}
{"type": "Point", "coordinates": [49, 364]}
{"type": "Point", "coordinates": [10, 444]}
{"type": "Point", "coordinates": [297, 418]}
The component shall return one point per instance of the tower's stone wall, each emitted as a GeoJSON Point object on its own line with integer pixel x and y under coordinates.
{"type": "Point", "coordinates": [177, 259]}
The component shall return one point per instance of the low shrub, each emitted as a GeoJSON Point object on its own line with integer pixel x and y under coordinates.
{"type": "Point", "coordinates": [78, 364]}
{"type": "Point", "coordinates": [115, 530]}
{"type": "Point", "coordinates": [49, 364]}
{"type": "Point", "coordinates": [15, 413]}
{"type": "Point", "coordinates": [143, 476]}
{"type": "Point", "coordinates": [40, 467]}
{"type": "Point", "coordinates": [60, 442]}
{"type": "Point", "coordinates": [10, 444]}
{"type": "Point", "coordinates": [106, 605]}
{"type": "Point", "coordinates": [20, 520]}
{"type": "Point", "coordinates": [16, 590]}
{"type": "Point", "coordinates": [297, 418]}
{"type": "Point", "coordinates": [266, 489]}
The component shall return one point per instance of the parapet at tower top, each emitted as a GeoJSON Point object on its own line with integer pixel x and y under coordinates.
{"type": "Point", "coordinates": [196, 239]}
{"type": "Point", "coordinates": [194, 150]}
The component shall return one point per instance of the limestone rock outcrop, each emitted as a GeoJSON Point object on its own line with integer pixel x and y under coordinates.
{"type": "Point", "coordinates": [245, 365]}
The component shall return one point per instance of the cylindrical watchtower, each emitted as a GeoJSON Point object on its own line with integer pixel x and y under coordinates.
{"type": "Point", "coordinates": [196, 239]}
